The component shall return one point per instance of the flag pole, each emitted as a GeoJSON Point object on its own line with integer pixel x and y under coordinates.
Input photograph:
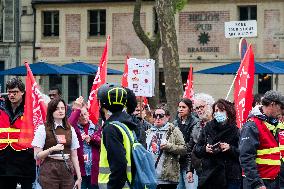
{"type": "Point", "coordinates": [231, 87]}
{"type": "Point", "coordinates": [243, 45]}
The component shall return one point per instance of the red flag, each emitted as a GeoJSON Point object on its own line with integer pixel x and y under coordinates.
{"type": "Point", "coordinates": [188, 92]}
{"type": "Point", "coordinates": [124, 82]}
{"type": "Point", "coordinates": [99, 80]}
{"type": "Point", "coordinates": [34, 110]}
{"type": "Point", "coordinates": [243, 94]}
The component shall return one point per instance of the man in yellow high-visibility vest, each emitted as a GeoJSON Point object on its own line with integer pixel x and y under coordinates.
{"type": "Point", "coordinates": [115, 157]}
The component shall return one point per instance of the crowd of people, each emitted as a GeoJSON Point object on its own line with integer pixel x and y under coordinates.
{"type": "Point", "coordinates": [200, 146]}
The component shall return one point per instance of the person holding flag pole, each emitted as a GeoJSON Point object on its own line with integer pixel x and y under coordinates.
{"type": "Point", "coordinates": [17, 164]}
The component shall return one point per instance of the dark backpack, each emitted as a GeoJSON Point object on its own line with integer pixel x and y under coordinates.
{"type": "Point", "coordinates": [145, 176]}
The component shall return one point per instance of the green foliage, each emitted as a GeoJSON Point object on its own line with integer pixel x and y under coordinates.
{"type": "Point", "coordinates": [179, 4]}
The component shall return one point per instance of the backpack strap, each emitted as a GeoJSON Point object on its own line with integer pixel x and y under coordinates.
{"type": "Point", "coordinates": [123, 126]}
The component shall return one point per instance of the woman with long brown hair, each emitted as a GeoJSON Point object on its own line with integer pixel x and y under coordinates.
{"type": "Point", "coordinates": [56, 143]}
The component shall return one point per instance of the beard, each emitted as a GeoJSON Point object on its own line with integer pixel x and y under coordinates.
{"type": "Point", "coordinates": [205, 116]}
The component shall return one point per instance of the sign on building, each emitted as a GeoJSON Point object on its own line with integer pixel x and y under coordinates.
{"type": "Point", "coordinates": [235, 29]}
{"type": "Point", "coordinates": [141, 76]}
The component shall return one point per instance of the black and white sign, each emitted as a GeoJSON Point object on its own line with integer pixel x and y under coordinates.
{"type": "Point", "coordinates": [235, 29]}
{"type": "Point", "coordinates": [141, 76]}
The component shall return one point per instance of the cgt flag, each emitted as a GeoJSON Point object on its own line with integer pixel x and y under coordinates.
{"type": "Point", "coordinates": [243, 94]}
{"type": "Point", "coordinates": [34, 110]}
{"type": "Point", "coordinates": [124, 82]}
{"type": "Point", "coordinates": [188, 92]}
{"type": "Point", "coordinates": [99, 80]}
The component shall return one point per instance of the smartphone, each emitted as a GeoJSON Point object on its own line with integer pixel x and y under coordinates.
{"type": "Point", "coordinates": [216, 147]}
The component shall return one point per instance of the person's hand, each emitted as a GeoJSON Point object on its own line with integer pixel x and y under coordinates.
{"type": "Point", "coordinates": [209, 149]}
{"type": "Point", "coordinates": [78, 103]}
{"type": "Point", "coordinates": [58, 147]}
{"type": "Point", "coordinates": [87, 138]}
{"type": "Point", "coordinates": [224, 146]}
{"type": "Point", "coordinates": [78, 183]}
{"type": "Point", "coordinates": [189, 177]}
{"type": "Point", "coordinates": [262, 187]}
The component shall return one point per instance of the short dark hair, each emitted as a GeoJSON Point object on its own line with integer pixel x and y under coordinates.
{"type": "Point", "coordinates": [131, 101]}
{"type": "Point", "coordinates": [256, 99]}
{"type": "Point", "coordinates": [58, 90]}
{"type": "Point", "coordinates": [15, 83]}
{"type": "Point", "coordinates": [163, 107]}
{"type": "Point", "coordinates": [188, 103]}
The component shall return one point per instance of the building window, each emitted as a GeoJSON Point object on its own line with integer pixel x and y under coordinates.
{"type": "Point", "coordinates": [50, 23]}
{"type": "Point", "coordinates": [248, 13]}
{"type": "Point", "coordinates": [97, 22]}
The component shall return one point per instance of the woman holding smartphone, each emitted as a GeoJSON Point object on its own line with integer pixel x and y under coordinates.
{"type": "Point", "coordinates": [217, 146]}
{"type": "Point", "coordinates": [56, 143]}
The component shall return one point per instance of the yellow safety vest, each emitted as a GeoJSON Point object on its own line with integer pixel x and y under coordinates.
{"type": "Point", "coordinates": [104, 170]}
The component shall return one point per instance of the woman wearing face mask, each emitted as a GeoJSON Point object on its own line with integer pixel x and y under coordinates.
{"type": "Point", "coordinates": [217, 146]}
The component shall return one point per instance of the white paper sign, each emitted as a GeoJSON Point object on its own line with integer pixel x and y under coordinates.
{"type": "Point", "coordinates": [236, 29]}
{"type": "Point", "coordinates": [141, 76]}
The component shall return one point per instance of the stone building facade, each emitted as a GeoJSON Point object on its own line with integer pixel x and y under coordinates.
{"type": "Point", "coordinates": [72, 30]}
{"type": "Point", "coordinates": [16, 34]}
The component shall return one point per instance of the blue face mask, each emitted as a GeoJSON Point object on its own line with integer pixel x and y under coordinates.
{"type": "Point", "coordinates": [220, 117]}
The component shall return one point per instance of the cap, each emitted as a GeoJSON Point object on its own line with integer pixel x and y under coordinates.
{"type": "Point", "coordinates": [274, 96]}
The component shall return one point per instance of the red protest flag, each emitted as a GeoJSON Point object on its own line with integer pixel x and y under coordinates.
{"type": "Point", "coordinates": [243, 94]}
{"type": "Point", "coordinates": [188, 91]}
{"type": "Point", "coordinates": [99, 80]}
{"type": "Point", "coordinates": [34, 110]}
{"type": "Point", "coordinates": [124, 82]}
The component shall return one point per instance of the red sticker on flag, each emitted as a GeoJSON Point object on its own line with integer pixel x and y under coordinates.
{"type": "Point", "coordinates": [86, 157]}
{"type": "Point", "coordinates": [61, 139]}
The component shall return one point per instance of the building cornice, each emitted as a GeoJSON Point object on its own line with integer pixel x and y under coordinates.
{"type": "Point", "coordinates": [80, 1]}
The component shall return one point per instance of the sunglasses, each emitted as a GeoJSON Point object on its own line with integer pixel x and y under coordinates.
{"type": "Point", "coordinates": [158, 116]}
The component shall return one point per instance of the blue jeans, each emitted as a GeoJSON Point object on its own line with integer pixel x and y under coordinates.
{"type": "Point", "coordinates": [184, 184]}
{"type": "Point", "coordinates": [86, 183]}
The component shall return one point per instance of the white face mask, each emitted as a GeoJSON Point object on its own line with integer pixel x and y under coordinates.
{"type": "Point", "coordinates": [220, 117]}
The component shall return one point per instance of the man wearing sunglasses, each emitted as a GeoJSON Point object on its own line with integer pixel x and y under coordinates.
{"type": "Point", "coordinates": [166, 143]}
{"type": "Point", "coordinates": [261, 141]}
{"type": "Point", "coordinates": [17, 164]}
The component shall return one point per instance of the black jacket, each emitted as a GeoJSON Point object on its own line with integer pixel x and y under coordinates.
{"type": "Point", "coordinates": [113, 141]}
{"type": "Point", "coordinates": [219, 167]}
{"type": "Point", "coordinates": [248, 146]}
{"type": "Point", "coordinates": [140, 130]}
{"type": "Point", "coordinates": [191, 131]}
{"type": "Point", "coordinates": [16, 163]}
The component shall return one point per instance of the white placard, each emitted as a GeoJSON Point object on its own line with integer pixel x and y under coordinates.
{"type": "Point", "coordinates": [236, 29]}
{"type": "Point", "coordinates": [141, 76]}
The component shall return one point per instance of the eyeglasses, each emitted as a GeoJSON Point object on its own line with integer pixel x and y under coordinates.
{"type": "Point", "coordinates": [199, 108]}
{"type": "Point", "coordinates": [12, 92]}
{"type": "Point", "coordinates": [158, 116]}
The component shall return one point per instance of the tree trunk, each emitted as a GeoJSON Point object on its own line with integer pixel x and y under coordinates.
{"type": "Point", "coordinates": [172, 73]}
{"type": "Point", "coordinates": [153, 46]}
